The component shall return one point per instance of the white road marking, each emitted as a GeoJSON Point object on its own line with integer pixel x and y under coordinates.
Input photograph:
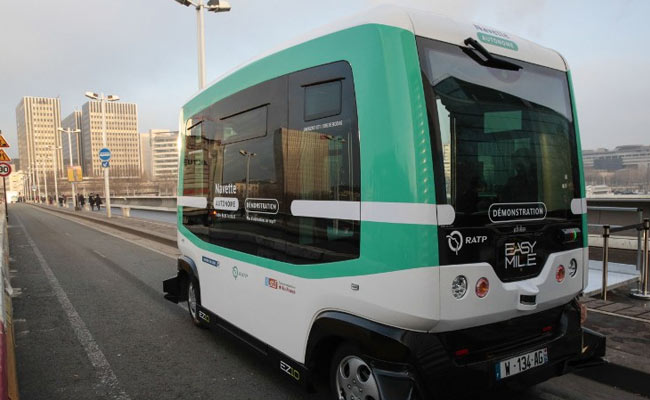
{"type": "Point", "coordinates": [95, 355]}
{"type": "Point", "coordinates": [618, 315]}
{"type": "Point", "coordinates": [99, 254]}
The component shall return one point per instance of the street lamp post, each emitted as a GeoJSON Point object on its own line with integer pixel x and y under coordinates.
{"type": "Point", "coordinates": [213, 6]}
{"type": "Point", "coordinates": [38, 182]}
{"type": "Point", "coordinates": [56, 185]}
{"type": "Point", "coordinates": [69, 131]}
{"type": "Point", "coordinates": [103, 99]}
{"type": "Point", "coordinates": [45, 179]}
{"type": "Point", "coordinates": [248, 156]}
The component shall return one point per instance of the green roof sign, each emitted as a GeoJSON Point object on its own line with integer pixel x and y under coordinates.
{"type": "Point", "coordinates": [497, 41]}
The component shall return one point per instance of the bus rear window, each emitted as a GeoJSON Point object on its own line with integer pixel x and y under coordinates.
{"type": "Point", "coordinates": [322, 100]}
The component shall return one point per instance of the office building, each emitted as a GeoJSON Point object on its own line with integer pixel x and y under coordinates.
{"type": "Point", "coordinates": [629, 156]}
{"type": "Point", "coordinates": [37, 120]}
{"type": "Point", "coordinates": [122, 139]}
{"type": "Point", "coordinates": [72, 122]}
{"type": "Point", "coordinates": [16, 181]}
{"type": "Point", "coordinates": [159, 154]}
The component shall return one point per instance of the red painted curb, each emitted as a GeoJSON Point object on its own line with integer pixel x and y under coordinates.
{"type": "Point", "coordinates": [3, 363]}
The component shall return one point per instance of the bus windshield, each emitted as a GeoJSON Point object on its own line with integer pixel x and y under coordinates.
{"type": "Point", "coordinates": [499, 136]}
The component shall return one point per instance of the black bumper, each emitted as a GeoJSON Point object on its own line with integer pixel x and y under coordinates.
{"type": "Point", "coordinates": [438, 368]}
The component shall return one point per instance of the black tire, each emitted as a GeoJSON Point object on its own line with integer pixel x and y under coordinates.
{"type": "Point", "coordinates": [193, 301]}
{"type": "Point", "coordinates": [356, 380]}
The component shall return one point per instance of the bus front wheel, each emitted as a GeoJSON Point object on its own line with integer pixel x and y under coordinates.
{"type": "Point", "coordinates": [193, 302]}
{"type": "Point", "coordinates": [352, 377]}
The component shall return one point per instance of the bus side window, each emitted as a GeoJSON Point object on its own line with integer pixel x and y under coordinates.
{"type": "Point", "coordinates": [323, 124]}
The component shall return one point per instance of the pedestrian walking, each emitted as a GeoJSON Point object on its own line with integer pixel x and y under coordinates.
{"type": "Point", "coordinates": [98, 201]}
{"type": "Point", "coordinates": [91, 201]}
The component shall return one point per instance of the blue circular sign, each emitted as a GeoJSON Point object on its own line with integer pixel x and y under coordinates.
{"type": "Point", "coordinates": [105, 154]}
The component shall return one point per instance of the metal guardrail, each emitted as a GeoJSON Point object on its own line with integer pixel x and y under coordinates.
{"type": "Point", "coordinates": [642, 229]}
{"type": "Point", "coordinates": [637, 210]}
{"type": "Point", "coordinates": [642, 291]}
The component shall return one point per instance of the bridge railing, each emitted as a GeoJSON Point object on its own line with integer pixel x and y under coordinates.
{"type": "Point", "coordinates": [641, 291]}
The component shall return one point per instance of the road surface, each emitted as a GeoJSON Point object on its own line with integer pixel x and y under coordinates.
{"type": "Point", "coordinates": [91, 323]}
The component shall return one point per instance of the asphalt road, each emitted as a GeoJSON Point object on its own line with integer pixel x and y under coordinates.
{"type": "Point", "coordinates": [91, 323]}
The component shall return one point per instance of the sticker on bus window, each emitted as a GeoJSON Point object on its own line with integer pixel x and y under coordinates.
{"type": "Point", "coordinates": [509, 212]}
{"type": "Point", "coordinates": [226, 203]}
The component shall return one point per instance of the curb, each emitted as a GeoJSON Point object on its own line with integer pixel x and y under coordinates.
{"type": "Point", "coordinates": [148, 235]}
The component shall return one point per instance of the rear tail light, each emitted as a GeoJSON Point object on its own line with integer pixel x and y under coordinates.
{"type": "Point", "coordinates": [560, 273]}
{"type": "Point", "coordinates": [482, 287]}
{"type": "Point", "coordinates": [462, 352]}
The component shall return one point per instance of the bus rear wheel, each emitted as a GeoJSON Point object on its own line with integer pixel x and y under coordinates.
{"type": "Point", "coordinates": [193, 302]}
{"type": "Point", "coordinates": [352, 377]}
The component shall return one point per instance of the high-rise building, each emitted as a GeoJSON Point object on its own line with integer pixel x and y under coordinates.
{"type": "Point", "coordinates": [16, 182]}
{"type": "Point", "coordinates": [37, 120]}
{"type": "Point", "coordinates": [159, 154]}
{"type": "Point", "coordinates": [122, 138]}
{"type": "Point", "coordinates": [72, 122]}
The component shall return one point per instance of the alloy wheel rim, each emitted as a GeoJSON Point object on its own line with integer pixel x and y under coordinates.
{"type": "Point", "coordinates": [355, 380]}
{"type": "Point", "coordinates": [191, 300]}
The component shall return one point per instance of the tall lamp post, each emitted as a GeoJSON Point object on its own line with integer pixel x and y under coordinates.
{"type": "Point", "coordinates": [44, 167]}
{"type": "Point", "coordinates": [103, 99]}
{"type": "Point", "coordinates": [69, 131]}
{"type": "Point", "coordinates": [56, 168]}
{"type": "Point", "coordinates": [212, 6]}
{"type": "Point", "coordinates": [38, 182]}
{"type": "Point", "coordinates": [248, 156]}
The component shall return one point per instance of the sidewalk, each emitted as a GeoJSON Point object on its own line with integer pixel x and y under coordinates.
{"type": "Point", "coordinates": [626, 323]}
{"type": "Point", "coordinates": [158, 231]}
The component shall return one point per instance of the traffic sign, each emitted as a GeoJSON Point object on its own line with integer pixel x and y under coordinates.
{"type": "Point", "coordinates": [4, 156]}
{"type": "Point", "coordinates": [5, 169]}
{"type": "Point", "coordinates": [105, 164]}
{"type": "Point", "coordinates": [105, 154]}
{"type": "Point", "coordinates": [74, 174]}
{"type": "Point", "coordinates": [3, 142]}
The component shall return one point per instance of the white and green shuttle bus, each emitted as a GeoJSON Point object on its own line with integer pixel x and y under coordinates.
{"type": "Point", "coordinates": [395, 201]}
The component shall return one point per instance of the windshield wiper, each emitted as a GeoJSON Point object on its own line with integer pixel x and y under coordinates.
{"type": "Point", "coordinates": [489, 60]}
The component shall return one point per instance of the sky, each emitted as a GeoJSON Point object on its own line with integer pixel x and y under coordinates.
{"type": "Point", "coordinates": [145, 51]}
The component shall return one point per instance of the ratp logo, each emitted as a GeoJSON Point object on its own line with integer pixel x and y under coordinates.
{"type": "Point", "coordinates": [236, 273]}
{"type": "Point", "coordinates": [455, 241]}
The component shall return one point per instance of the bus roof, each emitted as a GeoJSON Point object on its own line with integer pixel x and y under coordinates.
{"type": "Point", "coordinates": [433, 26]}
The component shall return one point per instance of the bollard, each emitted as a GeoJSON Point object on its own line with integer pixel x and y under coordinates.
{"type": "Point", "coordinates": [126, 211]}
{"type": "Point", "coordinates": [642, 292]}
{"type": "Point", "coordinates": [605, 260]}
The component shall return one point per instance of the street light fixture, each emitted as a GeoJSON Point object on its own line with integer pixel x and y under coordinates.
{"type": "Point", "coordinates": [248, 156]}
{"type": "Point", "coordinates": [212, 6]}
{"type": "Point", "coordinates": [103, 99]}
{"type": "Point", "coordinates": [69, 131]}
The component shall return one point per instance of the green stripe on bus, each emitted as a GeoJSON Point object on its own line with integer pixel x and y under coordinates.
{"type": "Point", "coordinates": [390, 100]}
{"type": "Point", "coordinates": [585, 236]}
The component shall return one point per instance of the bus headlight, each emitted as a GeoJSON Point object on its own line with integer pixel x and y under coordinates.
{"type": "Point", "coordinates": [459, 286]}
{"type": "Point", "coordinates": [482, 287]}
{"type": "Point", "coordinates": [573, 267]}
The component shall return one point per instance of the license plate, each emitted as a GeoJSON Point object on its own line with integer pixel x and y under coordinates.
{"type": "Point", "coordinates": [524, 362]}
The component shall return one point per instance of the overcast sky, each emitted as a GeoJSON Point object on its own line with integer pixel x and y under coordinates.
{"type": "Point", "coordinates": [145, 51]}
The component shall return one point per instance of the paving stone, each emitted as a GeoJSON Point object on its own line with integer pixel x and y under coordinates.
{"type": "Point", "coordinates": [615, 307]}
{"type": "Point", "coordinates": [644, 316]}
{"type": "Point", "coordinates": [633, 311]}
{"type": "Point", "coordinates": [600, 303]}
